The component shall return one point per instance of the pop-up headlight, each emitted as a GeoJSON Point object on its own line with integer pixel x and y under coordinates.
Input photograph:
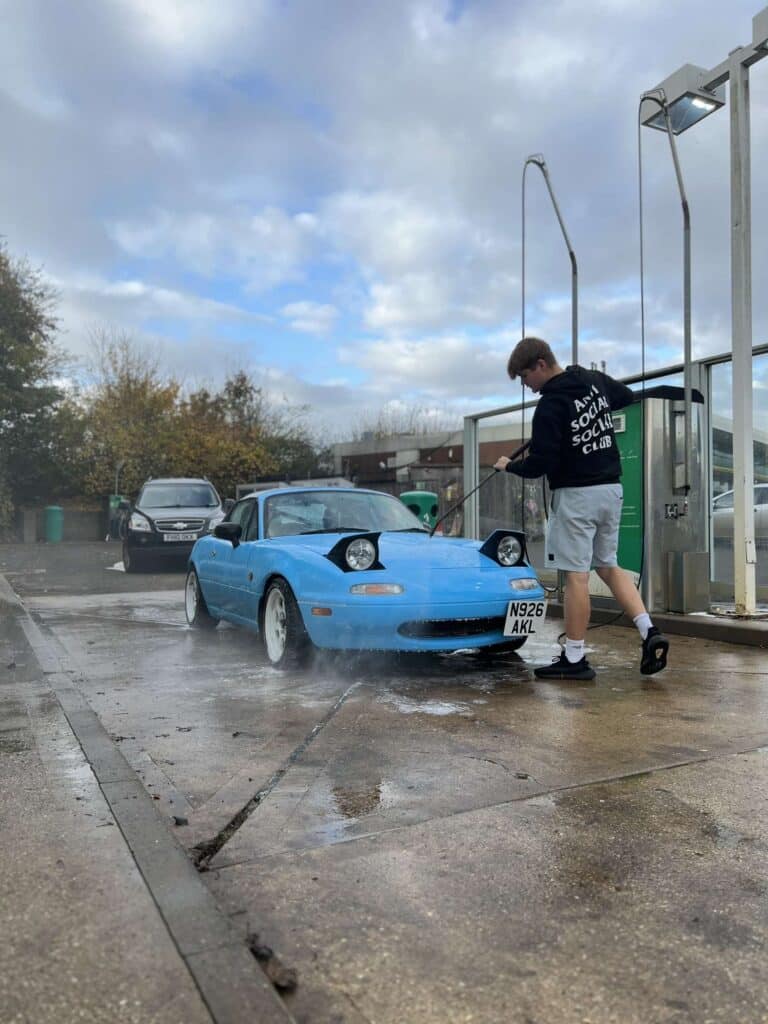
{"type": "Point", "coordinates": [360, 554]}
{"type": "Point", "coordinates": [507, 547]}
{"type": "Point", "coordinates": [509, 550]}
{"type": "Point", "coordinates": [356, 553]}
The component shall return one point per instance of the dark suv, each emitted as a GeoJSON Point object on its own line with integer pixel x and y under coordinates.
{"type": "Point", "coordinates": [168, 517]}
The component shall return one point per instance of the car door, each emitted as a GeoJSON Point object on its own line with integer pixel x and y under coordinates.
{"type": "Point", "coordinates": [239, 601]}
{"type": "Point", "coordinates": [224, 559]}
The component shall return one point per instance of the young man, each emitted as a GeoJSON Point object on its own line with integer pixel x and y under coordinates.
{"type": "Point", "coordinates": [573, 443]}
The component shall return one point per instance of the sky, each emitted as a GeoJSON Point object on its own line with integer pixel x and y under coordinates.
{"type": "Point", "coordinates": [327, 193]}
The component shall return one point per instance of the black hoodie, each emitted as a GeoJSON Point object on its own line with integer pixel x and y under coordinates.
{"type": "Point", "coordinates": [572, 438]}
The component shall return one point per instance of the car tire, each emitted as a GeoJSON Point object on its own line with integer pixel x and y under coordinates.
{"type": "Point", "coordinates": [131, 560]}
{"type": "Point", "coordinates": [286, 641]}
{"type": "Point", "coordinates": [195, 608]}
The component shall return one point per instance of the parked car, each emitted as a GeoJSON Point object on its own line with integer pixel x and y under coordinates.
{"type": "Point", "coordinates": [170, 514]}
{"type": "Point", "coordinates": [722, 515]}
{"type": "Point", "coordinates": [356, 570]}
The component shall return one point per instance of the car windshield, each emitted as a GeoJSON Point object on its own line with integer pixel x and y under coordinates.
{"type": "Point", "coordinates": [340, 510]}
{"type": "Point", "coordinates": [178, 496]}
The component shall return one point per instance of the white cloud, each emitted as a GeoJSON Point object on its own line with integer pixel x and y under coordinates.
{"type": "Point", "coordinates": [443, 366]}
{"type": "Point", "coordinates": [352, 171]}
{"type": "Point", "coordinates": [262, 249]}
{"type": "Point", "coordinates": [310, 317]}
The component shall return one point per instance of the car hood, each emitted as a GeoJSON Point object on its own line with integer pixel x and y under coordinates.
{"type": "Point", "coordinates": [406, 549]}
{"type": "Point", "coordinates": [185, 512]}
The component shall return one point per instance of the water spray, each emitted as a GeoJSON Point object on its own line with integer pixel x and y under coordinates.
{"type": "Point", "coordinates": [512, 457]}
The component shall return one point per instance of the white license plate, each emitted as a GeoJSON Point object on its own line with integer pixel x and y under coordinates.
{"type": "Point", "coordinates": [523, 617]}
{"type": "Point", "coordinates": [179, 536]}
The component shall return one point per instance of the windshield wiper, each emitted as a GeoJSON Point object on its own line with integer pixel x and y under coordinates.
{"type": "Point", "coordinates": [336, 529]}
{"type": "Point", "coordinates": [409, 529]}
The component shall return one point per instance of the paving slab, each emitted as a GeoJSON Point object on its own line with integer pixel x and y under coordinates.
{"type": "Point", "coordinates": [620, 903]}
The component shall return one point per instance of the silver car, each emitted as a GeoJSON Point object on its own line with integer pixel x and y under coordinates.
{"type": "Point", "coordinates": [722, 514]}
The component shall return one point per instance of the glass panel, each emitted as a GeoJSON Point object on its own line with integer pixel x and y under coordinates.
{"type": "Point", "coordinates": [721, 560]}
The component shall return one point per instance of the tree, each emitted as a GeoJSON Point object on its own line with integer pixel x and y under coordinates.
{"type": "Point", "coordinates": [130, 416]}
{"type": "Point", "coordinates": [221, 438]}
{"type": "Point", "coordinates": [32, 404]}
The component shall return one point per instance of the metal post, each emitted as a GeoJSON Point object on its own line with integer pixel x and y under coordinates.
{"type": "Point", "coordinates": [539, 161]}
{"type": "Point", "coordinates": [471, 477]}
{"type": "Point", "coordinates": [744, 553]}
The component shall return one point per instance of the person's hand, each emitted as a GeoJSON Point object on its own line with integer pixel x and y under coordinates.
{"type": "Point", "coordinates": [502, 462]}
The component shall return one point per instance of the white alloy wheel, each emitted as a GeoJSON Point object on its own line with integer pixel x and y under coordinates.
{"type": "Point", "coordinates": [282, 627]}
{"type": "Point", "coordinates": [275, 630]}
{"type": "Point", "coordinates": [190, 597]}
{"type": "Point", "coordinates": [195, 607]}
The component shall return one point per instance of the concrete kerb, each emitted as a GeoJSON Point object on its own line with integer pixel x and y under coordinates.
{"type": "Point", "coordinates": [237, 989]}
{"type": "Point", "coordinates": [750, 632]}
{"type": "Point", "coordinates": [7, 594]}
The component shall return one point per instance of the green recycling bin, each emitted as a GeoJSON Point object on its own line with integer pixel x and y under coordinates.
{"type": "Point", "coordinates": [423, 504]}
{"type": "Point", "coordinates": [54, 523]}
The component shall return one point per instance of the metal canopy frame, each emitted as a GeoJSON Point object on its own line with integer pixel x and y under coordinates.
{"type": "Point", "coordinates": [735, 70]}
{"type": "Point", "coordinates": [700, 371]}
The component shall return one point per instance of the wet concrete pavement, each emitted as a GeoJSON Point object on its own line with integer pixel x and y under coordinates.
{"type": "Point", "coordinates": [446, 839]}
{"type": "Point", "coordinates": [81, 936]}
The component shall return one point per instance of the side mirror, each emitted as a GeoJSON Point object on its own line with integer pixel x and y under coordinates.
{"type": "Point", "coordinates": [228, 504]}
{"type": "Point", "coordinates": [229, 531]}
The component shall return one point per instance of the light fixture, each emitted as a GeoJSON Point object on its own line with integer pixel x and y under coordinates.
{"type": "Point", "coordinates": [760, 30]}
{"type": "Point", "coordinates": [686, 100]}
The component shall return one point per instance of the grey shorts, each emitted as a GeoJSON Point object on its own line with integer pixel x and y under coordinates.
{"type": "Point", "coordinates": [583, 527]}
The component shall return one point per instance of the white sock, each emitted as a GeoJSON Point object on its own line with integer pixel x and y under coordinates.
{"type": "Point", "coordinates": [643, 623]}
{"type": "Point", "coordinates": [574, 650]}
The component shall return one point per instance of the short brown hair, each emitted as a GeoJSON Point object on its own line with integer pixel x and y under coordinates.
{"type": "Point", "coordinates": [527, 353]}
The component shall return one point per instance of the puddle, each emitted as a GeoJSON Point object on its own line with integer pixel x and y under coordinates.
{"type": "Point", "coordinates": [409, 706]}
{"type": "Point", "coordinates": [355, 801]}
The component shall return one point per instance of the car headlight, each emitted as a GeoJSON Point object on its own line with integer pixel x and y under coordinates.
{"type": "Point", "coordinates": [360, 554]}
{"type": "Point", "coordinates": [214, 521]}
{"type": "Point", "coordinates": [139, 522]}
{"type": "Point", "coordinates": [505, 547]}
{"type": "Point", "coordinates": [509, 550]}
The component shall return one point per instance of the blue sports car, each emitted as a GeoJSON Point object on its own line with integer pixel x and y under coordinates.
{"type": "Point", "coordinates": [355, 569]}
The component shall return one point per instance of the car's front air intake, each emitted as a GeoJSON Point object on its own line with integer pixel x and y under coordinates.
{"type": "Point", "coordinates": [452, 627]}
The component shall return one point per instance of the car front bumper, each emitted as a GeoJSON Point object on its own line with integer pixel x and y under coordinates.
{"type": "Point", "coordinates": [374, 624]}
{"type": "Point", "coordinates": [151, 545]}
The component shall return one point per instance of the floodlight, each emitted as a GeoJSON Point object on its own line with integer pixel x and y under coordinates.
{"type": "Point", "coordinates": [686, 100]}
{"type": "Point", "coordinates": [760, 30]}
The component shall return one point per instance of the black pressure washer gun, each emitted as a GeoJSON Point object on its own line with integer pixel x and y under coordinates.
{"type": "Point", "coordinates": [512, 457]}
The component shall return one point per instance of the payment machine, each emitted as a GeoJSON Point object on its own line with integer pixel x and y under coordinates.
{"type": "Point", "coordinates": [664, 531]}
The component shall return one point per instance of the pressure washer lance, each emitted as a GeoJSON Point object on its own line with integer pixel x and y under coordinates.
{"type": "Point", "coordinates": [512, 457]}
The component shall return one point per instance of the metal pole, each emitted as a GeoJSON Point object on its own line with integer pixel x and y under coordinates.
{"type": "Point", "coordinates": [471, 477]}
{"type": "Point", "coordinates": [688, 451]}
{"type": "Point", "coordinates": [744, 553]}
{"type": "Point", "coordinates": [539, 161]}
{"type": "Point", "coordinates": [657, 96]}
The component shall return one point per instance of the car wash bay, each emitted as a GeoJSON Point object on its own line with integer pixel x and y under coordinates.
{"type": "Point", "coordinates": [446, 839]}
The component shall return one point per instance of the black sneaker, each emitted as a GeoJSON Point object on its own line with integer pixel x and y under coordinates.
{"type": "Point", "coordinates": [654, 656]}
{"type": "Point", "coordinates": [561, 668]}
